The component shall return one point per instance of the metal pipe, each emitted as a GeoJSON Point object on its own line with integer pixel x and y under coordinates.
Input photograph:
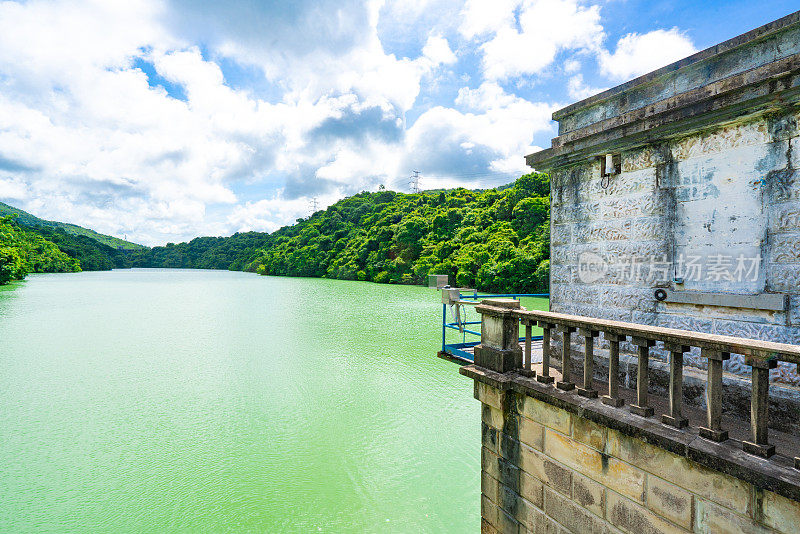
{"type": "Point", "coordinates": [444, 325]}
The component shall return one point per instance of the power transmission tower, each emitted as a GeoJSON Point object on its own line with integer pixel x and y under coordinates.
{"type": "Point", "coordinates": [313, 204]}
{"type": "Point", "coordinates": [415, 181]}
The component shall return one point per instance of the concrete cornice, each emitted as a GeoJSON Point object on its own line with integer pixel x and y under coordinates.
{"type": "Point", "coordinates": [740, 40]}
{"type": "Point", "coordinates": [757, 72]}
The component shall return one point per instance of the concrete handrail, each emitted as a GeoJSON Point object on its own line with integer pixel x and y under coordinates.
{"type": "Point", "coordinates": [761, 355]}
{"type": "Point", "coordinates": [736, 345]}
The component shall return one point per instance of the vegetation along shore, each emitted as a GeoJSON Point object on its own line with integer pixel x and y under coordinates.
{"type": "Point", "coordinates": [495, 240]}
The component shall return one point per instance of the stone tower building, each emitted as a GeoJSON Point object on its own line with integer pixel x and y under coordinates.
{"type": "Point", "coordinates": [676, 196]}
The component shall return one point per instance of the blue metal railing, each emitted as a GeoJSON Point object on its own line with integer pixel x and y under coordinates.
{"type": "Point", "coordinates": [456, 350]}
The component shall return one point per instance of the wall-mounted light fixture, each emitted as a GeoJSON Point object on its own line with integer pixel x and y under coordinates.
{"type": "Point", "coordinates": [610, 164]}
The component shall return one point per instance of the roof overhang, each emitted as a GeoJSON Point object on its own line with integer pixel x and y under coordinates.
{"type": "Point", "coordinates": [755, 73]}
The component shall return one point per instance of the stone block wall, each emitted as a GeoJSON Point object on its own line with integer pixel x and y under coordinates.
{"type": "Point", "coordinates": [545, 469]}
{"type": "Point", "coordinates": [731, 190]}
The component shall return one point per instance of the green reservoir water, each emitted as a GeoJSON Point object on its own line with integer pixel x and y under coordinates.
{"type": "Point", "coordinates": [174, 400]}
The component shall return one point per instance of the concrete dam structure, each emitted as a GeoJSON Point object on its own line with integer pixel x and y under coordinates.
{"type": "Point", "coordinates": [666, 396]}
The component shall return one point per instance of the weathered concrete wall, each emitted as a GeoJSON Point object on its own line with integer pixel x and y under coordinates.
{"type": "Point", "coordinates": [707, 203]}
{"type": "Point", "coordinates": [729, 192]}
{"type": "Point", "coordinates": [545, 469]}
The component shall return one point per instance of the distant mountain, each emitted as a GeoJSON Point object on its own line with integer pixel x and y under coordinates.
{"type": "Point", "coordinates": [26, 219]}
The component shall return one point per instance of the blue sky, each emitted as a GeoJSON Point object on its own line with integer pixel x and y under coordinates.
{"type": "Point", "coordinates": [163, 120]}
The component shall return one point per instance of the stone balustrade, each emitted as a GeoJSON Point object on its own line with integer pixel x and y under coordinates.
{"type": "Point", "coordinates": [500, 351]}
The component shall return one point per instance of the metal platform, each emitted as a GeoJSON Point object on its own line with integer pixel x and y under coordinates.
{"type": "Point", "coordinates": [466, 354]}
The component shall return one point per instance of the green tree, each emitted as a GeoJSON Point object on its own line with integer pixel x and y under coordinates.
{"type": "Point", "coordinates": [529, 213]}
{"type": "Point", "coordinates": [25, 251]}
{"type": "Point", "coordinates": [12, 266]}
{"type": "Point", "coordinates": [496, 239]}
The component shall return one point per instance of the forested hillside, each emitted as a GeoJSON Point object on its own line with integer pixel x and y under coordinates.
{"type": "Point", "coordinates": [495, 240]}
{"type": "Point", "coordinates": [85, 249]}
{"type": "Point", "coordinates": [28, 220]}
{"type": "Point", "coordinates": [92, 254]}
{"type": "Point", "coordinates": [233, 253]}
{"type": "Point", "coordinates": [23, 252]}
{"type": "Point", "coordinates": [492, 240]}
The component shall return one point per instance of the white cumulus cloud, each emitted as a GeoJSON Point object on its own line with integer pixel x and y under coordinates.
{"type": "Point", "coordinates": [525, 36]}
{"type": "Point", "coordinates": [577, 89]}
{"type": "Point", "coordinates": [637, 54]}
{"type": "Point", "coordinates": [437, 49]}
{"type": "Point", "coordinates": [484, 144]}
{"type": "Point", "coordinates": [168, 119]}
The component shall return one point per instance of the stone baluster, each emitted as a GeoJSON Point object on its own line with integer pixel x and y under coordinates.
{"type": "Point", "coordinates": [566, 358]}
{"type": "Point", "coordinates": [527, 366]}
{"type": "Point", "coordinates": [588, 363]}
{"type": "Point", "coordinates": [642, 377]}
{"type": "Point", "coordinates": [675, 417]}
{"type": "Point", "coordinates": [713, 430]}
{"type": "Point", "coordinates": [759, 407]}
{"type": "Point", "coordinates": [613, 398]}
{"type": "Point", "coordinates": [545, 377]}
